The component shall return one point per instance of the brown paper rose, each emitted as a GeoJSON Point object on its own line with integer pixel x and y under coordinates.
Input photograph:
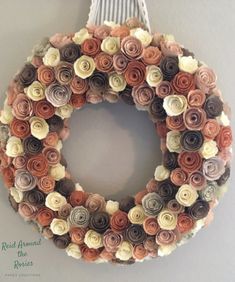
{"type": "Point", "coordinates": [91, 47]}
{"type": "Point", "coordinates": [135, 73]}
{"type": "Point", "coordinates": [79, 85]}
{"type": "Point", "coordinates": [104, 62]}
{"type": "Point", "coordinates": [143, 95]}
{"type": "Point", "coordinates": [175, 123]}
{"type": "Point", "coordinates": [46, 184]}
{"type": "Point", "coordinates": [77, 101]}
{"type": "Point", "coordinates": [43, 109]}
{"type": "Point", "coordinates": [119, 221]}
{"type": "Point", "coordinates": [45, 216]}
{"type": "Point", "coordinates": [184, 223]}
{"type": "Point", "coordinates": [38, 165]}
{"type": "Point", "coordinates": [20, 128]}
{"type": "Point", "coordinates": [190, 161]}
{"type": "Point", "coordinates": [77, 198]}
{"type": "Point", "coordinates": [46, 74]}
{"type": "Point", "coordinates": [178, 176]}
{"type": "Point", "coordinates": [183, 82]}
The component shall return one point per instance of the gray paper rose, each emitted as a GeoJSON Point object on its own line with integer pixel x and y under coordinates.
{"type": "Point", "coordinates": [152, 204]}
{"type": "Point", "coordinates": [79, 216]}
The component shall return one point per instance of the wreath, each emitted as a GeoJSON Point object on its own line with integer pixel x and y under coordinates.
{"type": "Point", "coordinates": [155, 74]}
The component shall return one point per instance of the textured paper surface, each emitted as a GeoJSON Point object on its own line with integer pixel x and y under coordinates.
{"type": "Point", "coordinates": [113, 149]}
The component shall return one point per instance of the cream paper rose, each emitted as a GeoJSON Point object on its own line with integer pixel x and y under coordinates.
{"type": "Point", "coordinates": [223, 119]}
{"type": "Point", "coordinates": [188, 64]}
{"type": "Point", "coordinates": [143, 35]}
{"type": "Point", "coordinates": [173, 141]}
{"type": "Point", "coordinates": [57, 172]}
{"type": "Point", "coordinates": [117, 82]}
{"type": "Point", "coordinates": [175, 105]}
{"type": "Point", "coordinates": [153, 75]}
{"type": "Point", "coordinates": [14, 147]}
{"type": "Point", "coordinates": [74, 251]}
{"type": "Point", "coordinates": [39, 127]}
{"type": "Point", "coordinates": [36, 91]}
{"type": "Point", "coordinates": [110, 45]}
{"type": "Point", "coordinates": [186, 195]}
{"type": "Point", "coordinates": [165, 250]}
{"type": "Point", "coordinates": [55, 201]}
{"type": "Point", "coordinates": [84, 66]}
{"type": "Point", "coordinates": [64, 111]}
{"type": "Point", "coordinates": [81, 36]}
{"type": "Point", "coordinates": [111, 207]}
{"type": "Point", "coordinates": [93, 239]}
{"type": "Point", "coordinates": [111, 24]}
{"type": "Point", "coordinates": [209, 149]}
{"type": "Point", "coordinates": [167, 220]}
{"type": "Point", "coordinates": [6, 115]}
{"type": "Point", "coordinates": [16, 194]}
{"type": "Point", "coordinates": [52, 57]}
{"type": "Point", "coordinates": [124, 251]}
{"type": "Point", "coordinates": [137, 215]}
{"type": "Point", "coordinates": [59, 226]}
{"type": "Point", "coordinates": [161, 173]}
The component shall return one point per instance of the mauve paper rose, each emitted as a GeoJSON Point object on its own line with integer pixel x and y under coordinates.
{"type": "Point", "coordinates": [205, 79]}
{"type": "Point", "coordinates": [27, 211]}
{"type": "Point", "coordinates": [70, 52]}
{"type": "Point", "coordinates": [196, 98]}
{"type": "Point", "coordinates": [59, 40]}
{"type": "Point", "coordinates": [213, 168]}
{"type": "Point", "coordinates": [120, 62]}
{"type": "Point", "coordinates": [171, 48]}
{"type": "Point", "coordinates": [104, 62]}
{"type": "Point", "coordinates": [131, 47]}
{"type": "Point", "coordinates": [194, 118]}
{"type": "Point", "coordinates": [165, 237]}
{"type": "Point", "coordinates": [58, 95]}
{"type": "Point", "coordinates": [112, 240]}
{"type": "Point", "coordinates": [24, 180]}
{"type": "Point", "coordinates": [197, 180]}
{"type": "Point", "coordinates": [143, 95]}
{"type": "Point", "coordinates": [64, 73]}
{"type": "Point", "coordinates": [22, 107]}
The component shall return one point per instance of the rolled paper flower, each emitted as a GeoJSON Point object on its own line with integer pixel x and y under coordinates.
{"type": "Point", "coordinates": [110, 45]}
{"type": "Point", "coordinates": [190, 161]}
{"type": "Point", "coordinates": [22, 107]}
{"type": "Point", "coordinates": [213, 168]}
{"type": "Point", "coordinates": [186, 195]}
{"type": "Point", "coordinates": [16, 194]}
{"type": "Point", "coordinates": [156, 110]}
{"type": "Point", "coordinates": [98, 81]}
{"type": "Point", "coordinates": [170, 160]}
{"type": "Point", "coordinates": [27, 75]}
{"type": "Point", "coordinates": [124, 251]}
{"type": "Point", "coordinates": [163, 89]}
{"type": "Point", "coordinates": [51, 140]}
{"type": "Point", "coordinates": [153, 75]}
{"type": "Point", "coordinates": [34, 197]}
{"type": "Point", "coordinates": [117, 82]}
{"type": "Point", "coordinates": [119, 221]}
{"type": "Point", "coordinates": [73, 251]}
{"type": "Point", "coordinates": [59, 40]}
{"type": "Point", "coordinates": [64, 211]}
{"type": "Point", "coordinates": [65, 186]}
{"type": "Point", "coordinates": [77, 235]}
{"type": "Point", "coordinates": [137, 215]}
{"type": "Point", "coordinates": [139, 196]}
{"type": "Point", "coordinates": [175, 105]}
{"type": "Point", "coordinates": [188, 64]}
{"type": "Point", "coordinates": [209, 149]}
{"type": "Point", "coordinates": [95, 202]}
{"type": "Point", "coordinates": [52, 155]}
{"type": "Point", "coordinates": [81, 35]}
{"type": "Point", "coordinates": [178, 177]}
{"type": "Point", "coordinates": [143, 95]}
{"type": "Point", "coordinates": [39, 127]}
{"type": "Point", "coordinates": [45, 216]}
{"type": "Point", "coordinates": [99, 221]}
{"type": "Point", "coordinates": [64, 111]}
{"type": "Point", "coordinates": [77, 198]}
{"type": "Point", "coordinates": [143, 35]}
{"type": "Point", "coordinates": [191, 140]}
{"type": "Point", "coordinates": [185, 223]}
{"type": "Point", "coordinates": [166, 190]}
{"type": "Point", "coordinates": [165, 237]}
{"type": "Point", "coordinates": [162, 130]}
{"type": "Point", "coordinates": [112, 240]}
{"type": "Point", "coordinates": [169, 67]}
{"type": "Point", "coordinates": [196, 98]}
{"type": "Point", "coordinates": [152, 204]}
{"type": "Point", "coordinates": [120, 31]}
{"type": "Point", "coordinates": [55, 201]}
{"type": "Point", "coordinates": [57, 172]}
{"type": "Point", "coordinates": [58, 95]}
{"type": "Point", "coordinates": [93, 239]}
{"type": "Point", "coordinates": [89, 254]}
{"type": "Point", "coordinates": [224, 137]}
{"type": "Point", "coordinates": [135, 234]}
{"type": "Point", "coordinates": [52, 57]}
{"type": "Point", "coordinates": [111, 96]}
{"type": "Point", "coordinates": [126, 96]}
{"type": "Point", "coordinates": [211, 129]}
{"type": "Point", "coordinates": [131, 47]}
{"type": "Point", "coordinates": [46, 184]}
{"type": "Point", "coordinates": [77, 101]}
{"type": "Point", "coordinates": [151, 226]}
{"type": "Point", "coordinates": [104, 62]}
{"type": "Point", "coordinates": [224, 177]}
{"type": "Point", "coordinates": [47, 233]}
{"type": "Point", "coordinates": [171, 48]}
{"type": "Point", "coordinates": [102, 31]}
{"type": "Point", "coordinates": [36, 91]}
{"type": "Point", "coordinates": [61, 242]}
{"type": "Point", "coordinates": [70, 53]}
{"type": "Point", "coordinates": [38, 165]}
{"type": "Point", "coordinates": [111, 207]}
{"type": "Point", "coordinates": [27, 211]}
{"type": "Point", "coordinates": [209, 192]}
{"type": "Point", "coordinates": [19, 162]}
{"type": "Point", "coordinates": [174, 206]}
{"type": "Point", "coordinates": [173, 141]}
{"type": "Point", "coordinates": [183, 83]}
{"type": "Point", "coordinates": [32, 145]}
{"type": "Point", "coordinates": [14, 147]}
{"type": "Point", "coordinates": [84, 66]}
{"type": "Point", "coordinates": [120, 62]}
{"type": "Point", "coordinates": [197, 180]}
{"type": "Point", "coordinates": [161, 173]}
{"type": "Point", "coordinates": [64, 73]}
{"type": "Point", "coordinates": [194, 118]}
{"type": "Point", "coordinates": [139, 252]}
{"type": "Point", "coordinates": [135, 73]}
{"type": "Point", "coordinates": [4, 133]}
{"type": "Point", "coordinates": [91, 47]}
{"type": "Point", "coordinates": [167, 220]}
{"type": "Point", "coordinates": [199, 209]}
{"type": "Point", "coordinates": [213, 106]}
{"type": "Point", "coordinates": [79, 217]}
{"type": "Point", "coordinates": [175, 123]}
{"type": "Point", "coordinates": [24, 181]}
{"type": "Point", "coordinates": [127, 203]}
{"type": "Point", "coordinates": [43, 109]}
{"type": "Point", "coordinates": [151, 55]}
{"type": "Point", "coordinates": [205, 79]}
{"type": "Point", "coordinates": [94, 96]}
